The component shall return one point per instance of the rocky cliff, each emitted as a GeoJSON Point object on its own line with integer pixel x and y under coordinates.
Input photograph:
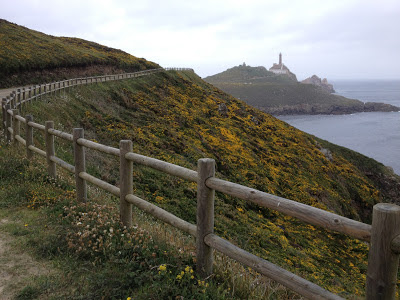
{"type": "Point", "coordinates": [323, 83]}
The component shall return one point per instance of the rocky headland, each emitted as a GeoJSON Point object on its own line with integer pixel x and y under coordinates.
{"type": "Point", "coordinates": [276, 93]}
{"type": "Point", "coordinates": [319, 109]}
{"type": "Point", "coordinates": [322, 83]}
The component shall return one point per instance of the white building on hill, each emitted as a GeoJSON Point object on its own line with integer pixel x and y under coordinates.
{"type": "Point", "coordinates": [279, 68]}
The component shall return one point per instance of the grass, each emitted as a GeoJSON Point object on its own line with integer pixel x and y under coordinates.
{"type": "Point", "coordinates": [189, 127]}
{"type": "Point", "coordinates": [94, 257]}
{"type": "Point", "coordinates": [176, 117]}
{"type": "Point", "coordinates": [279, 94]}
{"type": "Point", "coordinates": [247, 74]}
{"type": "Point", "coordinates": [36, 57]}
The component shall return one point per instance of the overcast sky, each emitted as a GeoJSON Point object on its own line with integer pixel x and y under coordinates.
{"type": "Point", "coordinates": [338, 39]}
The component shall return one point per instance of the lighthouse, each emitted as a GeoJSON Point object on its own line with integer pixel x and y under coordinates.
{"type": "Point", "coordinates": [279, 68]}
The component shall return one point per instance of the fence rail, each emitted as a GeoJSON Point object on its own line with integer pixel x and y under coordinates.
{"type": "Point", "coordinates": [383, 234]}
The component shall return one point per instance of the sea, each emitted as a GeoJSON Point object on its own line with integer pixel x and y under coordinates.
{"type": "Point", "coordinates": [374, 134]}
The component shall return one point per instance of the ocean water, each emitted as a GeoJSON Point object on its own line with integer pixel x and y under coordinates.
{"type": "Point", "coordinates": [374, 134]}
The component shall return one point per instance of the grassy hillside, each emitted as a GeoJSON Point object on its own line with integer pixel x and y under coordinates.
{"type": "Point", "coordinates": [24, 51]}
{"type": "Point", "coordinates": [246, 74]}
{"type": "Point", "coordinates": [179, 118]}
{"type": "Point", "coordinates": [278, 98]}
{"type": "Point", "coordinates": [72, 250]}
{"type": "Point", "coordinates": [280, 95]}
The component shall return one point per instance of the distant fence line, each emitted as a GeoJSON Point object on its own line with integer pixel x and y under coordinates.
{"type": "Point", "coordinates": [179, 69]}
{"type": "Point", "coordinates": [383, 235]}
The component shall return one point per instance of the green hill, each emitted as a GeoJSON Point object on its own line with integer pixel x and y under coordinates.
{"type": "Point", "coordinates": [28, 56]}
{"type": "Point", "coordinates": [179, 118]}
{"type": "Point", "coordinates": [279, 95]}
{"type": "Point", "coordinates": [246, 74]}
{"type": "Point", "coordinates": [176, 117]}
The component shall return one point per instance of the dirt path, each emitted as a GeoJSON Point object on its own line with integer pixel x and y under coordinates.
{"type": "Point", "coordinates": [16, 267]}
{"type": "Point", "coordinates": [5, 92]}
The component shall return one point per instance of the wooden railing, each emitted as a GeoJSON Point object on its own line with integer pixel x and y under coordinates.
{"type": "Point", "coordinates": [383, 235]}
{"type": "Point", "coordinates": [179, 69]}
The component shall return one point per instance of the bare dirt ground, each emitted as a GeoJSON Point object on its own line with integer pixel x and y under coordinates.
{"type": "Point", "coordinates": [16, 267]}
{"type": "Point", "coordinates": [5, 92]}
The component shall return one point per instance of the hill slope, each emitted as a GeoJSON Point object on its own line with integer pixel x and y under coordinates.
{"type": "Point", "coordinates": [246, 74]}
{"type": "Point", "coordinates": [279, 95]}
{"type": "Point", "coordinates": [179, 118]}
{"type": "Point", "coordinates": [28, 56]}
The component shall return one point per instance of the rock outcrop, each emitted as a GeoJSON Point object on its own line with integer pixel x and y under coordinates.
{"type": "Point", "coordinates": [317, 109]}
{"type": "Point", "coordinates": [378, 106]}
{"type": "Point", "coordinates": [315, 80]}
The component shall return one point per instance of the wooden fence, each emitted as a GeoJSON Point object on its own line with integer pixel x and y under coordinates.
{"type": "Point", "coordinates": [383, 235]}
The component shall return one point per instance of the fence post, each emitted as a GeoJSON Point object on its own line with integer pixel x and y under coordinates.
{"type": "Point", "coordinates": [23, 105]}
{"type": "Point", "coordinates": [13, 100]}
{"type": "Point", "coordinates": [30, 94]}
{"type": "Point", "coordinates": [51, 166]}
{"type": "Point", "coordinates": [45, 91]}
{"type": "Point", "coordinates": [382, 261]}
{"type": "Point", "coordinates": [205, 216]}
{"type": "Point", "coordinates": [29, 136]}
{"type": "Point", "coordinates": [18, 98]}
{"type": "Point", "coordinates": [8, 123]}
{"type": "Point", "coordinates": [4, 115]}
{"type": "Point", "coordinates": [16, 125]}
{"type": "Point", "coordinates": [34, 92]}
{"type": "Point", "coordinates": [80, 165]}
{"type": "Point", "coordinates": [126, 183]}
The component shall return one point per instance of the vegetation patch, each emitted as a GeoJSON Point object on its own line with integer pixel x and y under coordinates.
{"type": "Point", "coordinates": [29, 52]}
{"type": "Point", "coordinates": [93, 256]}
{"type": "Point", "coordinates": [280, 95]}
{"type": "Point", "coordinates": [178, 118]}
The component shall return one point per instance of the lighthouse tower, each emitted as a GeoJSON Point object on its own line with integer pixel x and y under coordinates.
{"type": "Point", "coordinates": [279, 68]}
